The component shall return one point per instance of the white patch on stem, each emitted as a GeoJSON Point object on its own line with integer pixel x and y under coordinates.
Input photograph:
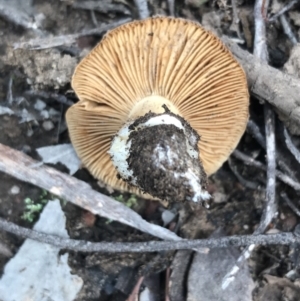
{"type": "Point", "coordinates": [119, 151]}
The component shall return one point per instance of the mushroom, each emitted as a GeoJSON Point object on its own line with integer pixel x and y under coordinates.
{"type": "Point", "coordinates": [162, 104]}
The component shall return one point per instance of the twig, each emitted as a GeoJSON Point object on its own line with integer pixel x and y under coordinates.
{"type": "Point", "coordinates": [134, 294]}
{"type": "Point", "coordinates": [75, 191]}
{"type": "Point", "coordinates": [290, 145]}
{"type": "Point", "coordinates": [244, 182]}
{"type": "Point", "coordinates": [167, 288]}
{"type": "Point", "coordinates": [59, 123]}
{"type": "Point", "coordinates": [17, 16]}
{"type": "Point", "coordinates": [142, 7]}
{"type": "Point", "coordinates": [9, 96]}
{"type": "Point", "coordinates": [150, 246]}
{"type": "Point", "coordinates": [287, 29]}
{"type": "Point", "coordinates": [254, 130]}
{"type": "Point", "coordinates": [94, 19]}
{"type": "Point", "coordinates": [102, 6]}
{"type": "Point", "coordinates": [50, 42]}
{"type": "Point", "coordinates": [180, 266]}
{"type": "Point", "coordinates": [251, 162]}
{"type": "Point", "coordinates": [260, 46]}
{"type": "Point", "coordinates": [48, 95]}
{"type": "Point", "coordinates": [271, 206]}
{"type": "Point", "coordinates": [263, 83]}
{"type": "Point", "coordinates": [235, 20]}
{"type": "Point", "coordinates": [283, 10]}
{"type": "Point", "coordinates": [171, 6]}
{"type": "Point", "coordinates": [290, 203]}
{"type": "Point", "coordinates": [260, 51]}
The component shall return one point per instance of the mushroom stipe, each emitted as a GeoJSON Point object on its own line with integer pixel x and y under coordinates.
{"type": "Point", "coordinates": [147, 92]}
{"type": "Point", "coordinates": [162, 164]}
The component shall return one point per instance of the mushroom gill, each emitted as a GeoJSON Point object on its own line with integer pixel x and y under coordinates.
{"type": "Point", "coordinates": [160, 65]}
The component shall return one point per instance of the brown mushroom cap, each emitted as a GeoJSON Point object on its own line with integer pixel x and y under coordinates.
{"type": "Point", "coordinates": [141, 65]}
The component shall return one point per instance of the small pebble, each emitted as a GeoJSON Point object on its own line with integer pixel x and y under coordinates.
{"type": "Point", "coordinates": [273, 231]}
{"type": "Point", "coordinates": [246, 227]}
{"type": "Point", "coordinates": [48, 125]}
{"type": "Point", "coordinates": [45, 114]}
{"type": "Point", "coordinates": [14, 190]}
{"type": "Point", "coordinates": [282, 216]}
{"type": "Point", "coordinates": [292, 275]}
{"type": "Point", "coordinates": [167, 217]}
{"type": "Point", "coordinates": [40, 105]}
{"type": "Point", "coordinates": [53, 112]}
{"type": "Point", "coordinates": [219, 197]}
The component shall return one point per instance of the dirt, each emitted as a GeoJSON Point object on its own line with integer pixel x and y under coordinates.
{"type": "Point", "coordinates": [235, 208]}
{"type": "Point", "coordinates": [164, 178]}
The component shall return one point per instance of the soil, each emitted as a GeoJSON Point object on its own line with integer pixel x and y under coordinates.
{"type": "Point", "coordinates": [169, 144]}
{"type": "Point", "coordinates": [235, 207]}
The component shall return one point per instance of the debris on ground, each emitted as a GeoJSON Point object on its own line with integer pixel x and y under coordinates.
{"type": "Point", "coordinates": [38, 272]}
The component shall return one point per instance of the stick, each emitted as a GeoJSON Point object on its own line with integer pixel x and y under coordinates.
{"type": "Point", "coordinates": [75, 191]}
{"type": "Point", "coordinates": [62, 99]}
{"type": "Point", "coordinates": [283, 10]}
{"type": "Point", "coordinates": [48, 95]}
{"type": "Point", "coordinates": [271, 206]}
{"type": "Point", "coordinates": [290, 203]}
{"type": "Point", "coordinates": [9, 96]}
{"type": "Point", "coordinates": [102, 6]}
{"type": "Point", "coordinates": [260, 51]}
{"type": "Point", "coordinates": [142, 7]}
{"type": "Point", "coordinates": [235, 19]}
{"type": "Point", "coordinates": [50, 42]}
{"type": "Point", "coordinates": [17, 16]}
{"type": "Point", "coordinates": [244, 182]}
{"type": "Point", "coordinates": [260, 46]}
{"type": "Point", "coordinates": [254, 130]}
{"type": "Point", "coordinates": [287, 29]}
{"type": "Point", "coordinates": [150, 246]}
{"type": "Point", "coordinates": [290, 145]}
{"type": "Point", "coordinates": [251, 162]}
{"type": "Point", "coordinates": [171, 6]}
{"type": "Point", "coordinates": [263, 83]}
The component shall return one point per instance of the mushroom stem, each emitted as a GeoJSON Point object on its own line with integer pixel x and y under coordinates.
{"type": "Point", "coordinates": [159, 154]}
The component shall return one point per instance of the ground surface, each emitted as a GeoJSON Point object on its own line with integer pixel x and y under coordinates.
{"type": "Point", "coordinates": [236, 208]}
